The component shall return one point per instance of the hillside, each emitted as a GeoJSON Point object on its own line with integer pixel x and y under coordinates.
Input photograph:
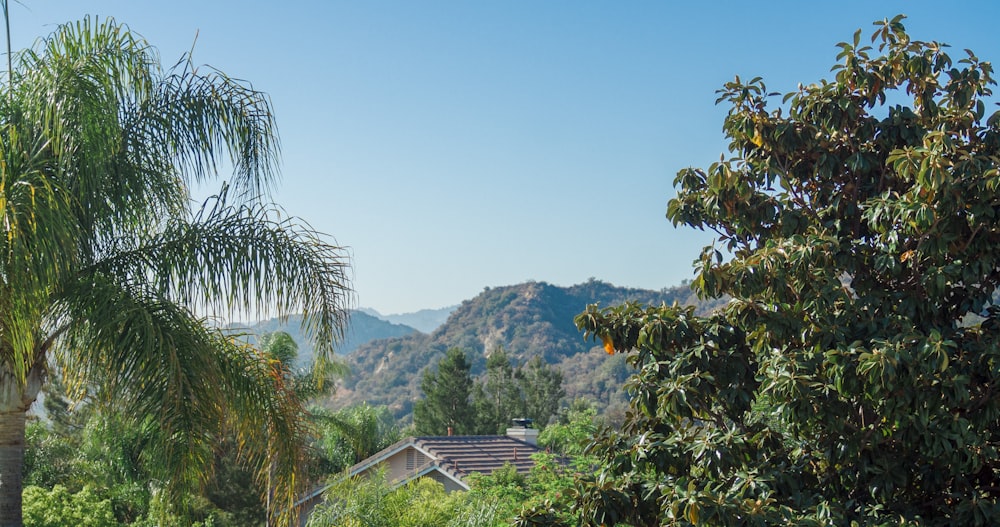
{"type": "Point", "coordinates": [528, 320]}
{"type": "Point", "coordinates": [361, 328]}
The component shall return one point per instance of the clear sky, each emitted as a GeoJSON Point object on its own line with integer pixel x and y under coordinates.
{"type": "Point", "coordinates": [454, 145]}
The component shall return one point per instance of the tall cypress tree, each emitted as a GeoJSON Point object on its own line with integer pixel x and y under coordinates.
{"type": "Point", "coordinates": [446, 398]}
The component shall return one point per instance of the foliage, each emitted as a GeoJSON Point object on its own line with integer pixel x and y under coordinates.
{"type": "Point", "coordinates": [446, 406]}
{"type": "Point", "coordinates": [842, 384]}
{"type": "Point", "coordinates": [232, 497]}
{"type": "Point", "coordinates": [107, 457]}
{"type": "Point", "coordinates": [370, 501]}
{"type": "Point", "coordinates": [479, 513]}
{"type": "Point", "coordinates": [352, 434]}
{"type": "Point", "coordinates": [494, 501]}
{"type": "Point", "coordinates": [108, 273]}
{"type": "Point", "coordinates": [505, 486]}
{"type": "Point", "coordinates": [59, 508]}
{"type": "Point", "coordinates": [572, 431]}
{"type": "Point", "coordinates": [533, 391]}
{"type": "Point", "coordinates": [504, 393]}
{"type": "Point", "coordinates": [49, 456]}
{"type": "Point", "coordinates": [543, 496]}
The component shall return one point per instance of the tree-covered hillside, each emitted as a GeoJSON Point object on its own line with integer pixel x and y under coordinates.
{"type": "Point", "coordinates": [528, 320]}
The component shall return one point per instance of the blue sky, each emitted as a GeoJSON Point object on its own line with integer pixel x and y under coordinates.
{"type": "Point", "coordinates": [458, 145]}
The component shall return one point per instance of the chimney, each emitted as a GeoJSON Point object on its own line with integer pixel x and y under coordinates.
{"type": "Point", "coordinates": [450, 431]}
{"type": "Point", "coordinates": [522, 430]}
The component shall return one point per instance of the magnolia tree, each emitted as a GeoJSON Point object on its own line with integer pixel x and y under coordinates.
{"type": "Point", "coordinates": [853, 377]}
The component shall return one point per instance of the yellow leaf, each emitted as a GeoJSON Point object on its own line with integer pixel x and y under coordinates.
{"type": "Point", "coordinates": [693, 512]}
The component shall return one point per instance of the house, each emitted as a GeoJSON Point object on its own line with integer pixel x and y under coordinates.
{"type": "Point", "coordinates": [448, 460]}
{"type": "Point", "coordinates": [451, 459]}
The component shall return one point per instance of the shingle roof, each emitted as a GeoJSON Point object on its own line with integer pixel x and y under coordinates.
{"type": "Point", "coordinates": [455, 457]}
{"type": "Point", "coordinates": [461, 456]}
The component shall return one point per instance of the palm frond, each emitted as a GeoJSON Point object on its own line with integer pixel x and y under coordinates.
{"type": "Point", "coordinates": [36, 227]}
{"type": "Point", "coordinates": [146, 357]}
{"type": "Point", "coordinates": [203, 115]}
{"type": "Point", "coordinates": [227, 257]}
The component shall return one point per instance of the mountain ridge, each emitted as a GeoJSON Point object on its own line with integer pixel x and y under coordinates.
{"type": "Point", "coordinates": [529, 319]}
{"type": "Point", "coordinates": [424, 320]}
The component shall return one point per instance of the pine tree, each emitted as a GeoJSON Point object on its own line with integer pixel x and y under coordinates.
{"type": "Point", "coordinates": [446, 398]}
{"type": "Point", "coordinates": [497, 398]}
{"type": "Point", "coordinates": [541, 390]}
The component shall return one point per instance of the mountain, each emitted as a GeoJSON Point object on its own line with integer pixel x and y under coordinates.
{"type": "Point", "coordinates": [425, 320]}
{"type": "Point", "coordinates": [528, 320]}
{"type": "Point", "coordinates": [361, 328]}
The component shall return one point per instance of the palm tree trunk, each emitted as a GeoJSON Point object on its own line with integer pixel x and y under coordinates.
{"type": "Point", "coordinates": [11, 465]}
{"type": "Point", "coordinates": [15, 399]}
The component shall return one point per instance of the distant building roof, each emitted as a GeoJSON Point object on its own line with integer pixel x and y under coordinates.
{"type": "Point", "coordinates": [446, 459]}
{"type": "Point", "coordinates": [456, 456]}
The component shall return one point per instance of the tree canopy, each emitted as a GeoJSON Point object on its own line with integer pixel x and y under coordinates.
{"type": "Point", "coordinates": [852, 378]}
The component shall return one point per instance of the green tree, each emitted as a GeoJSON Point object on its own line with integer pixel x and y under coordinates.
{"type": "Point", "coordinates": [506, 488]}
{"type": "Point", "coordinates": [844, 383]}
{"type": "Point", "coordinates": [107, 274]}
{"type": "Point", "coordinates": [54, 444]}
{"type": "Point", "coordinates": [572, 431]}
{"type": "Point", "coordinates": [372, 501]}
{"type": "Point", "coordinates": [542, 391]}
{"type": "Point", "coordinates": [58, 508]}
{"type": "Point", "coordinates": [446, 402]}
{"type": "Point", "coordinates": [497, 398]}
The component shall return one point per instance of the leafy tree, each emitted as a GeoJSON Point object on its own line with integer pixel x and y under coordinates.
{"type": "Point", "coordinates": [572, 431]}
{"type": "Point", "coordinates": [497, 397]}
{"type": "Point", "coordinates": [53, 444]}
{"type": "Point", "coordinates": [106, 268]}
{"type": "Point", "coordinates": [540, 497]}
{"type": "Point", "coordinates": [505, 487]}
{"type": "Point", "coordinates": [58, 508]}
{"type": "Point", "coordinates": [446, 403]}
{"type": "Point", "coordinates": [373, 502]}
{"type": "Point", "coordinates": [541, 388]}
{"type": "Point", "coordinates": [843, 384]}
{"type": "Point", "coordinates": [106, 456]}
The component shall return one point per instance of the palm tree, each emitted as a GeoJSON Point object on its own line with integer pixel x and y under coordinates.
{"type": "Point", "coordinates": [108, 275]}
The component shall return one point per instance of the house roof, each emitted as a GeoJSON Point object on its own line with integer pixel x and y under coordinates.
{"type": "Point", "coordinates": [454, 457]}
{"type": "Point", "coordinates": [460, 456]}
